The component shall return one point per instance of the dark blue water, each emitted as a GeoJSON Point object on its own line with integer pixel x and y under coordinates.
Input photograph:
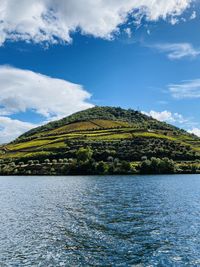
{"type": "Point", "coordinates": [100, 221]}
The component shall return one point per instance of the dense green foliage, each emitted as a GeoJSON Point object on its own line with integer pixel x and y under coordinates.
{"type": "Point", "coordinates": [102, 140]}
{"type": "Point", "coordinates": [88, 166]}
{"type": "Point", "coordinates": [157, 166]}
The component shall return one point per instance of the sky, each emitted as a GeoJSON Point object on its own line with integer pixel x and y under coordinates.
{"type": "Point", "coordinates": [60, 57]}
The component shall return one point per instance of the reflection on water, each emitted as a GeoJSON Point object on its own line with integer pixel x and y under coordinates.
{"type": "Point", "coordinates": [100, 221]}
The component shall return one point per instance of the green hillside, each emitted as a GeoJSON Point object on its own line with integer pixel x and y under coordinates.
{"type": "Point", "coordinates": [111, 134]}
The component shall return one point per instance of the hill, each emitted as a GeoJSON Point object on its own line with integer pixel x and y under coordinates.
{"type": "Point", "coordinates": [109, 134]}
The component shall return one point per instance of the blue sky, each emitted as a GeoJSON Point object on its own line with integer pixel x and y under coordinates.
{"type": "Point", "coordinates": [146, 59]}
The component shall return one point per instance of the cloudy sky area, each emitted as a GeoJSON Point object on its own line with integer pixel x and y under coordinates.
{"type": "Point", "coordinates": [59, 57]}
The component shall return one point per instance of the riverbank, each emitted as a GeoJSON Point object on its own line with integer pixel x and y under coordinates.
{"type": "Point", "coordinates": [91, 167]}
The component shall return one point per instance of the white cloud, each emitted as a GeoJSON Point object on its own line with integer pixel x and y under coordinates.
{"type": "Point", "coordinates": [186, 89]}
{"type": "Point", "coordinates": [176, 119]}
{"type": "Point", "coordinates": [10, 129]}
{"type": "Point", "coordinates": [195, 131]}
{"type": "Point", "coordinates": [22, 90]}
{"type": "Point", "coordinates": [53, 20]}
{"type": "Point", "coordinates": [161, 116]}
{"type": "Point", "coordinates": [178, 50]}
{"type": "Point", "coordinates": [194, 15]}
{"type": "Point", "coordinates": [128, 32]}
{"type": "Point", "coordinates": [174, 21]}
{"type": "Point", "coordinates": [166, 116]}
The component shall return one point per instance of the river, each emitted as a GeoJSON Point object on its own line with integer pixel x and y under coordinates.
{"type": "Point", "coordinates": [100, 221]}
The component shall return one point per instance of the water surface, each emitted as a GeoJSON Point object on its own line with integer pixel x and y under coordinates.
{"type": "Point", "coordinates": [100, 221]}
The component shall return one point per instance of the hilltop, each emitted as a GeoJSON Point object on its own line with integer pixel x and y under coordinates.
{"type": "Point", "coordinates": [105, 134]}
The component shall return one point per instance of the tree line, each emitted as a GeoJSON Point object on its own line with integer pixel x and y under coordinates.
{"type": "Point", "coordinates": [84, 163]}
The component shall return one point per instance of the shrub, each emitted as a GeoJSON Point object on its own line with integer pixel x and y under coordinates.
{"type": "Point", "coordinates": [158, 166]}
{"type": "Point", "coordinates": [84, 154]}
{"type": "Point", "coordinates": [102, 167]}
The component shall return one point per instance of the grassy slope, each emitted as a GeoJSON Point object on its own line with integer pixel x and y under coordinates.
{"type": "Point", "coordinates": [102, 113]}
{"type": "Point", "coordinates": [108, 125]}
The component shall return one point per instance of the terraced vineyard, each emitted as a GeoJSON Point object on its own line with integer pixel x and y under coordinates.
{"type": "Point", "coordinates": [123, 134]}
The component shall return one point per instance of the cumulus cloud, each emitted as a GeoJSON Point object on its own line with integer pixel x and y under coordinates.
{"type": "Point", "coordinates": [166, 116]}
{"type": "Point", "coordinates": [22, 90]}
{"type": "Point", "coordinates": [53, 21]}
{"type": "Point", "coordinates": [10, 129]}
{"type": "Point", "coordinates": [175, 118]}
{"type": "Point", "coordinates": [178, 50]}
{"type": "Point", "coordinates": [186, 89]}
{"type": "Point", "coordinates": [195, 131]}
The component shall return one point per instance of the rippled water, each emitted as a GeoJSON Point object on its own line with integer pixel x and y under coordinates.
{"type": "Point", "coordinates": [100, 221]}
